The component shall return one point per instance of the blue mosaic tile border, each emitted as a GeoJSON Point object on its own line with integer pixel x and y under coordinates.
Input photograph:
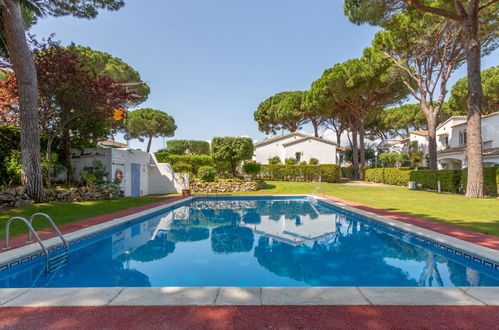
{"type": "Point", "coordinates": [421, 239]}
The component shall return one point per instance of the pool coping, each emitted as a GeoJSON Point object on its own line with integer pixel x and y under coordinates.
{"type": "Point", "coordinates": [221, 296]}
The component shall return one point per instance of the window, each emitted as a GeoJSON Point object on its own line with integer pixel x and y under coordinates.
{"type": "Point", "coordinates": [298, 156]}
{"type": "Point", "coordinates": [462, 137]}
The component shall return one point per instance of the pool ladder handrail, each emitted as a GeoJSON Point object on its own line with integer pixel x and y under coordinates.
{"type": "Point", "coordinates": [51, 263]}
{"type": "Point", "coordinates": [319, 189]}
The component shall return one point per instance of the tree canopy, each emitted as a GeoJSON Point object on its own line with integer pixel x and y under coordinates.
{"type": "Point", "coordinates": [490, 97]}
{"type": "Point", "coordinates": [104, 64]}
{"type": "Point", "coordinates": [149, 123]}
{"type": "Point", "coordinates": [191, 147]}
{"type": "Point", "coordinates": [232, 149]}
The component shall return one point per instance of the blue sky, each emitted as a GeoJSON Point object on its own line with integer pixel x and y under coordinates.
{"type": "Point", "coordinates": [209, 63]}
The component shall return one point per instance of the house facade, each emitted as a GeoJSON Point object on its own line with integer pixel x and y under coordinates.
{"type": "Point", "coordinates": [296, 145]}
{"type": "Point", "coordinates": [452, 140]}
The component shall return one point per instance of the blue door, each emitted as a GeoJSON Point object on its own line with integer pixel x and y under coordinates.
{"type": "Point", "coordinates": [135, 180]}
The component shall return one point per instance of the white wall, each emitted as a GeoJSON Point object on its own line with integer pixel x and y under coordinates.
{"type": "Point", "coordinates": [274, 148]}
{"type": "Point", "coordinates": [155, 178]}
{"type": "Point", "coordinates": [311, 148]}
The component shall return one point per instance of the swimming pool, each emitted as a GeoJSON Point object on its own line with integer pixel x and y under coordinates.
{"type": "Point", "coordinates": [272, 241]}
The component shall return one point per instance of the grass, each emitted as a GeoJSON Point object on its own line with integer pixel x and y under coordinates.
{"type": "Point", "coordinates": [66, 212]}
{"type": "Point", "coordinates": [481, 215]}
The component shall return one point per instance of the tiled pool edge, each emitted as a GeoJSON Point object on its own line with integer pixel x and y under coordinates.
{"type": "Point", "coordinates": [250, 296]}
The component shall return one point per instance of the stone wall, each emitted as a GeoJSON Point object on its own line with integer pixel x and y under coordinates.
{"type": "Point", "coordinates": [16, 197]}
{"type": "Point", "coordinates": [223, 186]}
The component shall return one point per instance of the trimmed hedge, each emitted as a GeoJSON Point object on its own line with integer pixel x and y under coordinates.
{"type": "Point", "coordinates": [306, 173]}
{"type": "Point", "coordinates": [453, 181]}
{"type": "Point", "coordinates": [398, 176]}
{"type": "Point", "coordinates": [450, 180]}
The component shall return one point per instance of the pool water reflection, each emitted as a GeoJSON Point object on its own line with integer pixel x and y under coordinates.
{"type": "Point", "coordinates": [251, 242]}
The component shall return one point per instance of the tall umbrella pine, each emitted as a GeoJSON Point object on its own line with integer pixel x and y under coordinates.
{"type": "Point", "coordinates": [15, 46]}
{"type": "Point", "coordinates": [149, 123]}
{"type": "Point", "coordinates": [478, 22]}
{"type": "Point", "coordinates": [25, 70]}
{"type": "Point", "coordinates": [360, 87]}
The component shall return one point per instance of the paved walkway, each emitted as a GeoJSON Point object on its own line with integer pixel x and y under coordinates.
{"type": "Point", "coordinates": [252, 317]}
{"type": "Point", "coordinates": [489, 241]}
{"type": "Point", "coordinates": [19, 241]}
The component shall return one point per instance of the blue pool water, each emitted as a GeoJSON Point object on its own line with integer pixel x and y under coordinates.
{"type": "Point", "coordinates": [252, 242]}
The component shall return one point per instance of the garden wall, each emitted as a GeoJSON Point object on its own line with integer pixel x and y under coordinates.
{"type": "Point", "coordinates": [16, 197]}
{"type": "Point", "coordinates": [223, 186]}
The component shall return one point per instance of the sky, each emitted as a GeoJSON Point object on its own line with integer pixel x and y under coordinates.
{"type": "Point", "coordinates": [210, 63]}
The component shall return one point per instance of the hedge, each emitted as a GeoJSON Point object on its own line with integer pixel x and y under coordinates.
{"type": "Point", "coordinates": [306, 173]}
{"type": "Point", "coordinates": [398, 176]}
{"type": "Point", "coordinates": [196, 161]}
{"type": "Point", "coordinates": [347, 172]}
{"type": "Point", "coordinates": [450, 180]}
{"type": "Point", "coordinates": [453, 181]}
{"type": "Point", "coordinates": [490, 180]}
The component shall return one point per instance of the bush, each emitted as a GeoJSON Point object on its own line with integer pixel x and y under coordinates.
{"type": "Point", "coordinates": [193, 147]}
{"type": "Point", "coordinates": [303, 162]}
{"type": "Point", "coordinates": [290, 161]}
{"type": "Point", "coordinates": [207, 173]}
{"type": "Point", "coordinates": [181, 167]}
{"type": "Point", "coordinates": [252, 169]}
{"type": "Point", "coordinates": [9, 141]}
{"type": "Point", "coordinates": [275, 160]}
{"type": "Point", "coordinates": [398, 176]}
{"type": "Point", "coordinates": [196, 161]}
{"type": "Point", "coordinates": [391, 159]}
{"type": "Point", "coordinates": [307, 173]}
{"type": "Point", "coordinates": [13, 168]}
{"type": "Point", "coordinates": [232, 150]}
{"type": "Point", "coordinates": [313, 161]}
{"type": "Point", "coordinates": [347, 172]}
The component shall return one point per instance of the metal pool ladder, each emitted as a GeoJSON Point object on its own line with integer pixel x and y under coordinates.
{"type": "Point", "coordinates": [319, 189]}
{"type": "Point", "coordinates": [52, 263]}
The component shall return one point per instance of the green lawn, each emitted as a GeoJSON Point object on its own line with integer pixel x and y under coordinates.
{"type": "Point", "coordinates": [480, 215]}
{"type": "Point", "coordinates": [63, 213]}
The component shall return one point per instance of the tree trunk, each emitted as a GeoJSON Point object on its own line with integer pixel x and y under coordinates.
{"type": "Point", "coordinates": [338, 137]}
{"type": "Point", "coordinates": [362, 151]}
{"type": "Point", "coordinates": [316, 127]}
{"type": "Point", "coordinates": [149, 144]}
{"type": "Point", "coordinates": [25, 70]}
{"type": "Point", "coordinates": [355, 154]}
{"type": "Point", "coordinates": [50, 140]}
{"type": "Point", "coordinates": [474, 188]}
{"type": "Point", "coordinates": [431, 118]}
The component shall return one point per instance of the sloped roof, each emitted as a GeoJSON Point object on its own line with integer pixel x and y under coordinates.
{"type": "Point", "coordinates": [280, 137]}
{"type": "Point", "coordinates": [449, 119]}
{"type": "Point", "coordinates": [485, 116]}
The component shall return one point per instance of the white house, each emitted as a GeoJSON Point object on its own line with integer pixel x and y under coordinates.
{"type": "Point", "coordinates": [452, 138]}
{"type": "Point", "coordinates": [296, 145]}
{"type": "Point", "coordinates": [394, 145]}
{"type": "Point", "coordinates": [138, 172]}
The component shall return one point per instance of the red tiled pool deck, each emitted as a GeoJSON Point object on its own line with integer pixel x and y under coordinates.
{"type": "Point", "coordinates": [252, 317]}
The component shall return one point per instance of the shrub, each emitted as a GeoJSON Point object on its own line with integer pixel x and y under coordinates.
{"type": "Point", "coordinates": [181, 167]}
{"type": "Point", "coordinates": [252, 169]}
{"type": "Point", "coordinates": [196, 161]}
{"type": "Point", "coordinates": [9, 141]}
{"type": "Point", "coordinates": [207, 173]}
{"type": "Point", "coordinates": [290, 161]}
{"type": "Point", "coordinates": [193, 147]}
{"type": "Point", "coordinates": [13, 168]}
{"type": "Point", "coordinates": [303, 162]}
{"type": "Point", "coordinates": [307, 173]}
{"type": "Point", "coordinates": [313, 161]}
{"type": "Point", "coordinates": [275, 160]}
{"type": "Point", "coordinates": [398, 176]}
{"type": "Point", "coordinates": [391, 159]}
{"type": "Point", "coordinates": [347, 172]}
